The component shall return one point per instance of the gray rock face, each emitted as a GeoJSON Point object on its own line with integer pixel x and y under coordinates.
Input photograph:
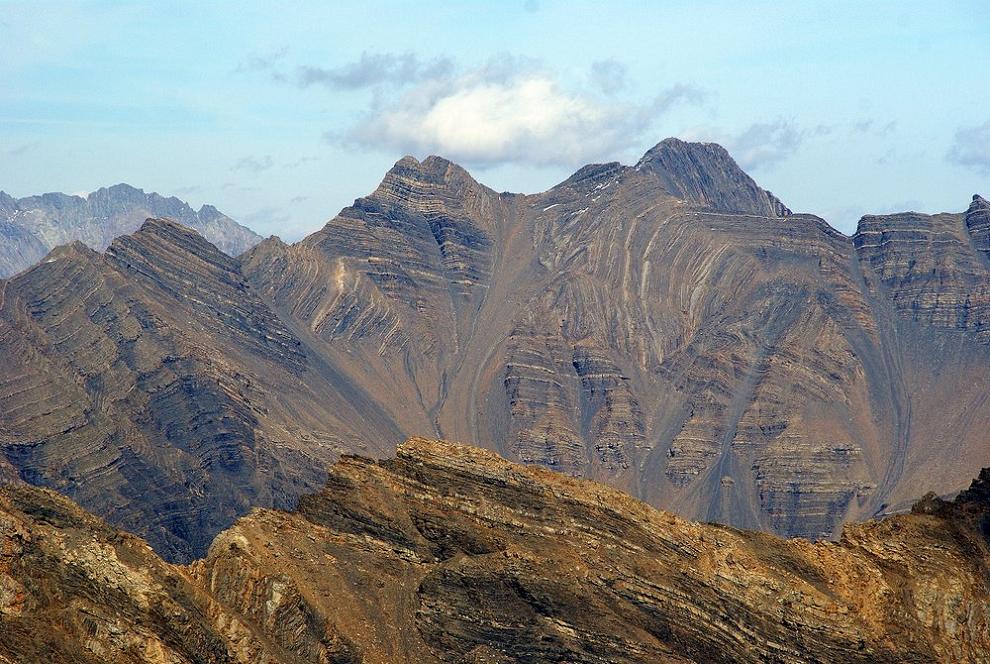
{"type": "Point", "coordinates": [705, 174]}
{"type": "Point", "coordinates": [155, 387]}
{"type": "Point", "coordinates": [30, 227]}
{"type": "Point", "coordinates": [935, 267]}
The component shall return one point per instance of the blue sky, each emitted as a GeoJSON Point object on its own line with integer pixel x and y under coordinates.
{"type": "Point", "coordinates": [282, 113]}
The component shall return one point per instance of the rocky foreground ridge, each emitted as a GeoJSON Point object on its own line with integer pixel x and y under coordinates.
{"type": "Point", "coordinates": [448, 553]}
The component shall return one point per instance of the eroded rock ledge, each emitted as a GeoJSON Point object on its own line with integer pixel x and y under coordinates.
{"type": "Point", "coordinates": [451, 553]}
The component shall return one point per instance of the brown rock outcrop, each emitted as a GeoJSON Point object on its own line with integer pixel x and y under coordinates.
{"type": "Point", "coordinates": [448, 553]}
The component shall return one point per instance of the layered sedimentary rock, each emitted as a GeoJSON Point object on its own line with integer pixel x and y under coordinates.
{"type": "Point", "coordinates": [448, 553]}
{"type": "Point", "coordinates": [389, 289]}
{"type": "Point", "coordinates": [933, 267]}
{"type": "Point", "coordinates": [705, 174]}
{"type": "Point", "coordinates": [669, 328]}
{"type": "Point", "coordinates": [30, 227]}
{"type": "Point", "coordinates": [152, 385]}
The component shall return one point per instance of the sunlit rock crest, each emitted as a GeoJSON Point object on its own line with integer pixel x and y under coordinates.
{"type": "Point", "coordinates": [448, 553]}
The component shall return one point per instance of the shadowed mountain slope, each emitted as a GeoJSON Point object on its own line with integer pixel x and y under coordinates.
{"type": "Point", "coordinates": [31, 226]}
{"type": "Point", "coordinates": [451, 554]}
{"type": "Point", "coordinates": [152, 385]}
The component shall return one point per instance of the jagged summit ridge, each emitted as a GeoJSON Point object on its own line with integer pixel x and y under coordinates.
{"type": "Point", "coordinates": [33, 225]}
{"type": "Point", "coordinates": [705, 174]}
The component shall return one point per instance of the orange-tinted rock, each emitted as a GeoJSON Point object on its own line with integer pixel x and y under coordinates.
{"type": "Point", "coordinates": [448, 553]}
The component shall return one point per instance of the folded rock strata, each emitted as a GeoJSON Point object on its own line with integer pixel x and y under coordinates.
{"type": "Point", "coordinates": [448, 553]}
{"type": "Point", "coordinates": [152, 385]}
{"type": "Point", "coordinates": [670, 329]}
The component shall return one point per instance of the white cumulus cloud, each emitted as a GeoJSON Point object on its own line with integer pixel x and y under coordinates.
{"type": "Point", "coordinates": [509, 111]}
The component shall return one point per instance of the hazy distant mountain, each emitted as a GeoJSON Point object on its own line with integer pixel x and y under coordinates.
{"type": "Point", "coordinates": [30, 227]}
{"type": "Point", "coordinates": [669, 328]}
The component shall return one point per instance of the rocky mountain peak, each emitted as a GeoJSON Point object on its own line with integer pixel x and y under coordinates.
{"type": "Point", "coordinates": [174, 257]}
{"type": "Point", "coordinates": [673, 145]}
{"type": "Point", "coordinates": [410, 174]}
{"type": "Point", "coordinates": [165, 226]}
{"type": "Point", "coordinates": [168, 235]}
{"type": "Point", "coordinates": [707, 175]}
{"type": "Point", "coordinates": [75, 250]}
{"type": "Point", "coordinates": [119, 190]}
{"type": "Point", "coordinates": [269, 243]}
{"type": "Point", "coordinates": [34, 225]}
{"type": "Point", "coordinates": [210, 213]}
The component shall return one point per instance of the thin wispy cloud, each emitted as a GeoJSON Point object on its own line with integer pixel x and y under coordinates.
{"type": "Point", "coordinates": [908, 205]}
{"type": "Point", "coordinates": [265, 62]}
{"type": "Point", "coordinates": [886, 157]}
{"type": "Point", "coordinates": [608, 76]}
{"type": "Point", "coordinates": [765, 144]}
{"type": "Point", "coordinates": [233, 186]}
{"type": "Point", "coordinates": [22, 149]}
{"type": "Point", "coordinates": [675, 94]}
{"type": "Point", "coordinates": [373, 69]}
{"type": "Point", "coordinates": [302, 161]}
{"type": "Point", "coordinates": [761, 145]}
{"type": "Point", "coordinates": [971, 148]}
{"type": "Point", "coordinates": [253, 164]}
{"type": "Point", "coordinates": [875, 127]}
{"type": "Point", "coordinates": [266, 217]}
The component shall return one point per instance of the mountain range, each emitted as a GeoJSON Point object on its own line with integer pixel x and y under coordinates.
{"type": "Point", "coordinates": [30, 227]}
{"type": "Point", "coordinates": [668, 328]}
